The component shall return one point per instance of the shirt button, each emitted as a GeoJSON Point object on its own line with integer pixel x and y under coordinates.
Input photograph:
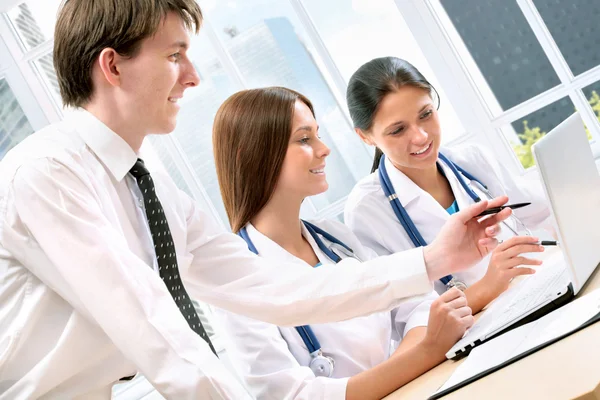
{"type": "Point", "coordinates": [140, 202]}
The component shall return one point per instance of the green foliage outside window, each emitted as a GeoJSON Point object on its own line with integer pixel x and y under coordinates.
{"type": "Point", "coordinates": [531, 135]}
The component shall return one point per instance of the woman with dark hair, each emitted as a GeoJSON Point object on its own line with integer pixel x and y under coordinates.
{"type": "Point", "coordinates": [269, 158]}
{"type": "Point", "coordinates": [414, 188]}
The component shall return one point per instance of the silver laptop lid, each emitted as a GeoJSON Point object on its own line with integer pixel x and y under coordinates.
{"type": "Point", "coordinates": [572, 185]}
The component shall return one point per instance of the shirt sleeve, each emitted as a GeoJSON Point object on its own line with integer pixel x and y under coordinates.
{"type": "Point", "coordinates": [268, 368]}
{"type": "Point", "coordinates": [54, 225]}
{"type": "Point", "coordinates": [412, 313]}
{"type": "Point", "coordinates": [226, 274]}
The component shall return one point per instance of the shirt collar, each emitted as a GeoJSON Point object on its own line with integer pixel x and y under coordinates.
{"type": "Point", "coordinates": [112, 150]}
{"type": "Point", "coordinates": [268, 248]}
{"type": "Point", "coordinates": [405, 189]}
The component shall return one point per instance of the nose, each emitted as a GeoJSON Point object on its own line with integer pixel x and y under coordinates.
{"type": "Point", "coordinates": [323, 151]}
{"type": "Point", "coordinates": [420, 136]}
{"type": "Point", "coordinates": [190, 76]}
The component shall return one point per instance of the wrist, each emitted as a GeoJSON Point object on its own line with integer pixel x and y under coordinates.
{"type": "Point", "coordinates": [479, 295]}
{"type": "Point", "coordinates": [431, 349]}
{"type": "Point", "coordinates": [435, 262]}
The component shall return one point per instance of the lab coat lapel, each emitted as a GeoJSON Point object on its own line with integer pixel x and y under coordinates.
{"type": "Point", "coordinates": [268, 248]}
{"type": "Point", "coordinates": [462, 197]}
{"type": "Point", "coordinates": [427, 214]}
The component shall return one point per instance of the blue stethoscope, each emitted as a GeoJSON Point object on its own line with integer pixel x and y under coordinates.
{"type": "Point", "coordinates": [405, 220]}
{"type": "Point", "coordinates": [320, 364]}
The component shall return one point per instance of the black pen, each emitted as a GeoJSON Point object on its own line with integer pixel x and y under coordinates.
{"type": "Point", "coordinates": [495, 210]}
{"type": "Point", "coordinates": [548, 243]}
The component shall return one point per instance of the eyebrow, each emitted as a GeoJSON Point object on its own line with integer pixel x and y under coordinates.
{"type": "Point", "coordinates": [180, 44]}
{"type": "Point", "coordinates": [305, 128]}
{"type": "Point", "coordinates": [399, 122]}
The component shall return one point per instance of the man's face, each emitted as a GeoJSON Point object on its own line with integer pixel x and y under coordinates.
{"type": "Point", "coordinates": [154, 79]}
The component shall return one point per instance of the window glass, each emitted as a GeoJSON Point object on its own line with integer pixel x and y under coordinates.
{"type": "Point", "coordinates": [14, 125]}
{"type": "Point", "coordinates": [504, 48]}
{"type": "Point", "coordinates": [34, 21]}
{"type": "Point", "coordinates": [45, 69]}
{"type": "Point", "coordinates": [270, 48]}
{"type": "Point", "coordinates": [574, 27]}
{"type": "Point", "coordinates": [357, 31]}
{"type": "Point", "coordinates": [523, 133]}
{"type": "Point", "coordinates": [592, 94]}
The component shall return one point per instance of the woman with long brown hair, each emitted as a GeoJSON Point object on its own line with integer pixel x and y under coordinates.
{"type": "Point", "coordinates": [269, 158]}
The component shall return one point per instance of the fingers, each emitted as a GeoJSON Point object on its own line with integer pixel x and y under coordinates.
{"type": "Point", "coordinates": [518, 240]}
{"type": "Point", "coordinates": [475, 209]}
{"type": "Point", "coordinates": [451, 294]}
{"type": "Point", "coordinates": [497, 201]}
{"type": "Point", "coordinates": [458, 302]}
{"type": "Point", "coordinates": [464, 311]}
{"type": "Point", "coordinates": [472, 211]}
{"type": "Point", "coordinates": [521, 271]}
{"type": "Point", "coordinates": [496, 218]}
{"type": "Point", "coordinates": [520, 249]}
{"type": "Point", "coordinates": [468, 321]}
{"type": "Point", "coordinates": [453, 303]}
{"type": "Point", "coordinates": [493, 230]}
{"type": "Point", "coordinates": [516, 261]}
{"type": "Point", "coordinates": [488, 243]}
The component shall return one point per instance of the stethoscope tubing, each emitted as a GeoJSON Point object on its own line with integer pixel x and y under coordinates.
{"type": "Point", "coordinates": [400, 212]}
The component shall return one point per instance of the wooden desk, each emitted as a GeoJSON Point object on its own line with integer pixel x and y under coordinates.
{"type": "Point", "coordinates": [568, 369]}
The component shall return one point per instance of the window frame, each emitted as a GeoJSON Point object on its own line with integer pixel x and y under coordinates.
{"type": "Point", "coordinates": [466, 87]}
{"type": "Point", "coordinates": [33, 96]}
{"type": "Point", "coordinates": [21, 79]}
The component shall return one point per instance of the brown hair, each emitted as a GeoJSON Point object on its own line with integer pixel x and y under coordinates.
{"type": "Point", "coordinates": [251, 135]}
{"type": "Point", "coordinates": [86, 27]}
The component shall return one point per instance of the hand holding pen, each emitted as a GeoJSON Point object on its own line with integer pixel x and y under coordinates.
{"type": "Point", "coordinates": [494, 210]}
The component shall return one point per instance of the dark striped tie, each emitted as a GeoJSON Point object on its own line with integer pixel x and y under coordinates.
{"type": "Point", "coordinates": [165, 250]}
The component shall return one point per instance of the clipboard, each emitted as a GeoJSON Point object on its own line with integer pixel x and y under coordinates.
{"type": "Point", "coordinates": [518, 357]}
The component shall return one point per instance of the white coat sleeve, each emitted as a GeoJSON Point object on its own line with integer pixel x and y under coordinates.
{"type": "Point", "coordinates": [54, 225]}
{"type": "Point", "coordinates": [412, 313]}
{"type": "Point", "coordinates": [226, 274]}
{"type": "Point", "coordinates": [268, 368]}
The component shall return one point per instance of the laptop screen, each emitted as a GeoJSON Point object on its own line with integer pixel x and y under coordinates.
{"type": "Point", "coordinates": [572, 185]}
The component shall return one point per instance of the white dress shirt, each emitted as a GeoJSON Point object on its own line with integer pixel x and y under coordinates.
{"type": "Point", "coordinates": [82, 305]}
{"type": "Point", "coordinates": [273, 361]}
{"type": "Point", "coordinates": [370, 216]}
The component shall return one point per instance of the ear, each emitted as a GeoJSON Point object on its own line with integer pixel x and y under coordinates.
{"type": "Point", "coordinates": [108, 61]}
{"type": "Point", "coordinates": [366, 138]}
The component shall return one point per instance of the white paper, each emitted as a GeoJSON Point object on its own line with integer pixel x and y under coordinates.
{"type": "Point", "coordinates": [526, 337]}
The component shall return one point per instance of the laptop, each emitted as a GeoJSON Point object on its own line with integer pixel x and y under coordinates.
{"type": "Point", "coordinates": [572, 186]}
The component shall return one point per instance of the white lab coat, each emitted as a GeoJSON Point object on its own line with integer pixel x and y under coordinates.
{"type": "Point", "coordinates": [82, 303]}
{"type": "Point", "coordinates": [273, 361]}
{"type": "Point", "coordinates": [370, 216]}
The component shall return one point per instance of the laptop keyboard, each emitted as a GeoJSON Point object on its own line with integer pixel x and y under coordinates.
{"type": "Point", "coordinates": [517, 302]}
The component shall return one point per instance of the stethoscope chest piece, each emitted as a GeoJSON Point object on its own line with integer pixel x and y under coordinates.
{"type": "Point", "coordinates": [457, 284]}
{"type": "Point", "coordinates": [321, 365]}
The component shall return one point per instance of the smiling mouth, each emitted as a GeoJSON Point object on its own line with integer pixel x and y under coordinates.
{"type": "Point", "coordinates": [317, 171]}
{"type": "Point", "coordinates": [423, 150]}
